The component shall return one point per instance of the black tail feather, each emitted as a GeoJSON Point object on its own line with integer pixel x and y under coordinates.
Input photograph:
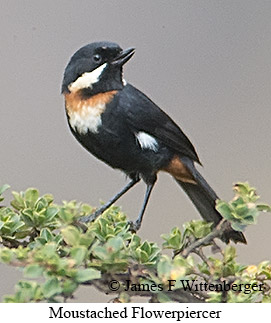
{"type": "Point", "coordinates": [204, 197]}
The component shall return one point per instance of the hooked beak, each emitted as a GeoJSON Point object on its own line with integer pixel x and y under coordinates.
{"type": "Point", "coordinates": [123, 57]}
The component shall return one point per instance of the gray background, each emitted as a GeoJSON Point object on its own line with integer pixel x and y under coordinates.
{"type": "Point", "coordinates": [207, 63]}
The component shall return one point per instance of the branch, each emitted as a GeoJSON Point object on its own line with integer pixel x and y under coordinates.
{"type": "Point", "coordinates": [217, 232]}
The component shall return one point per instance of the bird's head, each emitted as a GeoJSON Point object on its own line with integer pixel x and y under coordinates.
{"type": "Point", "coordinates": [96, 68]}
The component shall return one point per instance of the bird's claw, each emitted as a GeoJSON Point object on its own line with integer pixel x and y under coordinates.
{"type": "Point", "coordinates": [134, 226]}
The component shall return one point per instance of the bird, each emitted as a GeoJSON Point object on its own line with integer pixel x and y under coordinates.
{"type": "Point", "coordinates": [124, 128]}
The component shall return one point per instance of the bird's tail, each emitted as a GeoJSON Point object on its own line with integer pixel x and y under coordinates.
{"type": "Point", "coordinates": [204, 197]}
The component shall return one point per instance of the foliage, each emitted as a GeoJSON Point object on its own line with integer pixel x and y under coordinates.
{"type": "Point", "coordinates": [58, 253]}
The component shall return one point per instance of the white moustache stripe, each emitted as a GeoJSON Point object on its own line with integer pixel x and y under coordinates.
{"type": "Point", "coordinates": [87, 79]}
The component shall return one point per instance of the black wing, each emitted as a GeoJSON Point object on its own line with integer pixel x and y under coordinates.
{"type": "Point", "coordinates": [144, 115]}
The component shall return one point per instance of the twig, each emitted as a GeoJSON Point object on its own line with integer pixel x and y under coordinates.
{"type": "Point", "coordinates": [217, 232]}
{"type": "Point", "coordinates": [10, 243]}
{"type": "Point", "coordinates": [200, 253]}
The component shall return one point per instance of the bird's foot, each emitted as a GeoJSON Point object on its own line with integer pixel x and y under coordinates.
{"type": "Point", "coordinates": [134, 226]}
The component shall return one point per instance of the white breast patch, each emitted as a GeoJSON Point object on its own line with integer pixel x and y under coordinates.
{"type": "Point", "coordinates": [146, 141]}
{"type": "Point", "coordinates": [88, 118]}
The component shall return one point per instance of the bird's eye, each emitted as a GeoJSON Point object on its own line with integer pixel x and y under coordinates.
{"type": "Point", "coordinates": [97, 58]}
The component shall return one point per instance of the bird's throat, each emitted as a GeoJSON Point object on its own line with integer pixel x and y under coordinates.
{"type": "Point", "coordinates": [84, 114]}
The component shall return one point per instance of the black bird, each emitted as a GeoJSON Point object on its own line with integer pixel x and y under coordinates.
{"type": "Point", "coordinates": [122, 127]}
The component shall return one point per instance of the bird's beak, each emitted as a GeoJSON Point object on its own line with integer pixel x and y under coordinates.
{"type": "Point", "coordinates": [123, 57]}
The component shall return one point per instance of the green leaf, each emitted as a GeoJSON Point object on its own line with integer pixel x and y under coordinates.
{"type": "Point", "coordinates": [46, 234]}
{"type": "Point", "coordinates": [142, 255]}
{"type": "Point", "coordinates": [115, 244]}
{"type": "Point", "coordinates": [135, 242]}
{"type": "Point", "coordinates": [26, 291]}
{"type": "Point", "coordinates": [51, 212]}
{"type": "Point", "coordinates": [18, 202]}
{"type": "Point", "coordinates": [48, 251]}
{"type": "Point", "coordinates": [87, 274]}
{"type": "Point", "coordinates": [6, 255]}
{"type": "Point", "coordinates": [197, 228]}
{"type": "Point", "coordinates": [16, 226]}
{"type": "Point", "coordinates": [65, 215]}
{"type": "Point", "coordinates": [241, 210]}
{"type": "Point", "coordinates": [266, 299]}
{"type": "Point", "coordinates": [71, 235]}
{"type": "Point", "coordinates": [238, 227]}
{"type": "Point", "coordinates": [33, 271]}
{"type": "Point", "coordinates": [3, 188]}
{"type": "Point", "coordinates": [41, 204]}
{"type": "Point", "coordinates": [229, 254]}
{"type": "Point", "coordinates": [68, 287]}
{"type": "Point", "coordinates": [246, 191]}
{"type": "Point", "coordinates": [28, 217]}
{"type": "Point", "coordinates": [49, 198]}
{"type": "Point", "coordinates": [172, 240]}
{"type": "Point", "coordinates": [79, 254]}
{"type": "Point", "coordinates": [164, 267]}
{"type": "Point", "coordinates": [100, 252]}
{"type": "Point", "coordinates": [51, 288]}
{"type": "Point", "coordinates": [86, 209]}
{"type": "Point", "coordinates": [146, 247]}
{"type": "Point", "coordinates": [1, 224]}
{"type": "Point", "coordinates": [224, 209]}
{"type": "Point", "coordinates": [147, 253]}
{"type": "Point", "coordinates": [31, 196]}
{"type": "Point", "coordinates": [263, 207]}
{"type": "Point", "coordinates": [10, 299]}
{"type": "Point", "coordinates": [87, 238]}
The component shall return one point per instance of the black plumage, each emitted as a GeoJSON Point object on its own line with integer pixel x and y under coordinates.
{"type": "Point", "coordinates": [121, 126]}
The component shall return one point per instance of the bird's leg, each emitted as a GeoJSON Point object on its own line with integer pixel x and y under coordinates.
{"type": "Point", "coordinates": [135, 226]}
{"type": "Point", "coordinates": [93, 216]}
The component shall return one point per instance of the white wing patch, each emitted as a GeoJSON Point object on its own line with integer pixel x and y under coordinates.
{"type": "Point", "coordinates": [87, 79]}
{"type": "Point", "coordinates": [87, 119]}
{"type": "Point", "coordinates": [146, 141]}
